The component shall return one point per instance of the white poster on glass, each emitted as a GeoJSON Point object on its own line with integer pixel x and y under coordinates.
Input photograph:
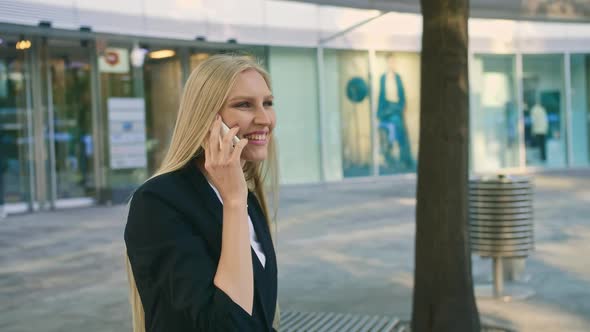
{"type": "Point", "coordinates": [127, 139]}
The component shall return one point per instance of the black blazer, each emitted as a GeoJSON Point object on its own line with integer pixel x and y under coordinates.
{"type": "Point", "coordinates": [173, 238]}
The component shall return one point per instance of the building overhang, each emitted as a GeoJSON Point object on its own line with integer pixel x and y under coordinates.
{"type": "Point", "coordinates": [535, 10]}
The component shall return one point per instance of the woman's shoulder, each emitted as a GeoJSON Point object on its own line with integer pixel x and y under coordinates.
{"type": "Point", "coordinates": [160, 192]}
{"type": "Point", "coordinates": [167, 185]}
{"type": "Point", "coordinates": [178, 191]}
{"type": "Point", "coordinates": [154, 204]}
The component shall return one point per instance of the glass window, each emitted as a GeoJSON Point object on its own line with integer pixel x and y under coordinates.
{"type": "Point", "coordinates": [396, 90]}
{"type": "Point", "coordinates": [494, 117]}
{"type": "Point", "coordinates": [162, 73]}
{"type": "Point", "coordinates": [124, 139]}
{"type": "Point", "coordinates": [197, 57]}
{"type": "Point", "coordinates": [580, 85]}
{"type": "Point", "coordinates": [332, 136]}
{"type": "Point", "coordinates": [15, 132]}
{"type": "Point", "coordinates": [350, 97]}
{"type": "Point", "coordinates": [544, 97]}
{"type": "Point", "coordinates": [294, 80]}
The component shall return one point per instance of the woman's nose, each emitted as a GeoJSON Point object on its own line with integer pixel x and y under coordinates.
{"type": "Point", "coordinates": [262, 116]}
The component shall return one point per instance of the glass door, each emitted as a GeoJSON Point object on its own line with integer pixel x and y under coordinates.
{"type": "Point", "coordinates": [16, 141]}
{"type": "Point", "coordinates": [69, 120]}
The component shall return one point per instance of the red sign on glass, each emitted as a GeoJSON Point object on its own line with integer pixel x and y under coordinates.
{"type": "Point", "coordinates": [112, 58]}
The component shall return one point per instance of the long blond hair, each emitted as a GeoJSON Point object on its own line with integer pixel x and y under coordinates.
{"type": "Point", "coordinates": [205, 93]}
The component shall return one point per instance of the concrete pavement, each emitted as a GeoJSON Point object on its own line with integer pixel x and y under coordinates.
{"type": "Point", "coordinates": [343, 247]}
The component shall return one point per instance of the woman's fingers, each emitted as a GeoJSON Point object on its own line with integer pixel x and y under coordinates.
{"type": "Point", "coordinates": [215, 135]}
{"type": "Point", "coordinates": [227, 139]}
{"type": "Point", "coordinates": [220, 147]}
{"type": "Point", "coordinates": [227, 144]}
{"type": "Point", "coordinates": [236, 154]}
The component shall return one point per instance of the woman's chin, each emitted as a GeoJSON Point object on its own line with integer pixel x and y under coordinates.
{"type": "Point", "coordinates": [254, 157]}
{"type": "Point", "coordinates": [254, 153]}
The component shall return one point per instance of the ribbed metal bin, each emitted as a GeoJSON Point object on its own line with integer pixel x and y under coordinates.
{"type": "Point", "coordinates": [501, 220]}
{"type": "Point", "coordinates": [294, 321]}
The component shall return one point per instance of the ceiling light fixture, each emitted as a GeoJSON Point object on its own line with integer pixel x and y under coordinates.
{"type": "Point", "coordinates": [23, 44]}
{"type": "Point", "coordinates": [201, 56]}
{"type": "Point", "coordinates": [162, 54]}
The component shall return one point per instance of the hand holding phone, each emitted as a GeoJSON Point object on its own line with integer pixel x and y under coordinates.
{"type": "Point", "coordinates": [223, 164]}
{"type": "Point", "coordinates": [225, 130]}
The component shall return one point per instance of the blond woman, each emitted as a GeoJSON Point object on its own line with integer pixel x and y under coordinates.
{"type": "Point", "coordinates": [199, 246]}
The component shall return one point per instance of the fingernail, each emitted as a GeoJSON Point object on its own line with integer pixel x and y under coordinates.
{"type": "Point", "coordinates": [217, 117]}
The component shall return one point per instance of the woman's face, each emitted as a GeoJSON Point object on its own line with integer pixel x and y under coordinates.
{"type": "Point", "coordinates": [250, 107]}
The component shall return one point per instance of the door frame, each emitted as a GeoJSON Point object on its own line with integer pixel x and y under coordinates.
{"type": "Point", "coordinates": [46, 197]}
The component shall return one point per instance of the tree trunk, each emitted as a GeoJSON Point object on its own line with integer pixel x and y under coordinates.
{"type": "Point", "coordinates": [443, 286]}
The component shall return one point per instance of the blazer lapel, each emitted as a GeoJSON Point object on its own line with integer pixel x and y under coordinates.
{"type": "Point", "coordinates": [261, 228]}
{"type": "Point", "coordinates": [263, 280]}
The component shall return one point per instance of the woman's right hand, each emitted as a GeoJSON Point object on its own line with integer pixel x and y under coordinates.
{"type": "Point", "coordinates": [223, 164]}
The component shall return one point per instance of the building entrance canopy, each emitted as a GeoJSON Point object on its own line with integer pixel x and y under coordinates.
{"type": "Point", "coordinates": [540, 10]}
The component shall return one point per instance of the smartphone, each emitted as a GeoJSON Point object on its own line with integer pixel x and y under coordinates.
{"type": "Point", "coordinates": [225, 130]}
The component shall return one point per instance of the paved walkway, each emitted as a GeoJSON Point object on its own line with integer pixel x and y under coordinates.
{"type": "Point", "coordinates": [345, 247]}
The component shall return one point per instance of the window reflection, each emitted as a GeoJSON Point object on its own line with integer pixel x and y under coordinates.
{"type": "Point", "coordinates": [355, 112]}
{"type": "Point", "coordinates": [494, 117]}
{"type": "Point", "coordinates": [544, 120]}
{"type": "Point", "coordinates": [397, 86]}
{"type": "Point", "coordinates": [163, 88]}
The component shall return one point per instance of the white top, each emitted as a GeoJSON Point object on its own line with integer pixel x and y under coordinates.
{"type": "Point", "coordinates": [539, 118]}
{"type": "Point", "coordinates": [391, 89]}
{"type": "Point", "coordinates": [253, 238]}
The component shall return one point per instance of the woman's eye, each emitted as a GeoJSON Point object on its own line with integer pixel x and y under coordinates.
{"type": "Point", "coordinates": [244, 104]}
{"type": "Point", "coordinates": [268, 103]}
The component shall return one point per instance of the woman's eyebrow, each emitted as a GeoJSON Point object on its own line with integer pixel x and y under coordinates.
{"type": "Point", "coordinates": [249, 97]}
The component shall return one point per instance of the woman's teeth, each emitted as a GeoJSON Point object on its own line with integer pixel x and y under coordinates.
{"type": "Point", "coordinates": [256, 137]}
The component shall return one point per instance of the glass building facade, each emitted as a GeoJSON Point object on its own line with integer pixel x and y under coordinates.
{"type": "Point", "coordinates": [539, 121]}
{"type": "Point", "coordinates": [85, 119]}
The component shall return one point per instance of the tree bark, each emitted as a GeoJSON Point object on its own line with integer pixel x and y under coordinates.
{"type": "Point", "coordinates": [443, 286]}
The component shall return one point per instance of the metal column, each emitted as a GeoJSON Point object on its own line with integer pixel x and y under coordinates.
{"type": "Point", "coordinates": [374, 124]}
{"type": "Point", "coordinates": [520, 102]}
{"type": "Point", "coordinates": [97, 125]}
{"type": "Point", "coordinates": [498, 277]}
{"type": "Point", "coordinates": [322, 113]}
{"type": "Point", "coordinates": [30, 139]}
{"type": "Point", "coordinates": [51, 134]}
{"type": "Point", "coordinates": [569, 140]}
{"type": "Point", "coordinates": [38, 120]}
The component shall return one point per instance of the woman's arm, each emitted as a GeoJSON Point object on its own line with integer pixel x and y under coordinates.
{"type": "Point", "coordinates": [234, 272]}
{"type": "Point", "coordinates": [223, 168]}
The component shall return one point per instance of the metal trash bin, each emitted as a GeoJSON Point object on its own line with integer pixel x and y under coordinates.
{"type": "Point", "coordinates": [501, 223]}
